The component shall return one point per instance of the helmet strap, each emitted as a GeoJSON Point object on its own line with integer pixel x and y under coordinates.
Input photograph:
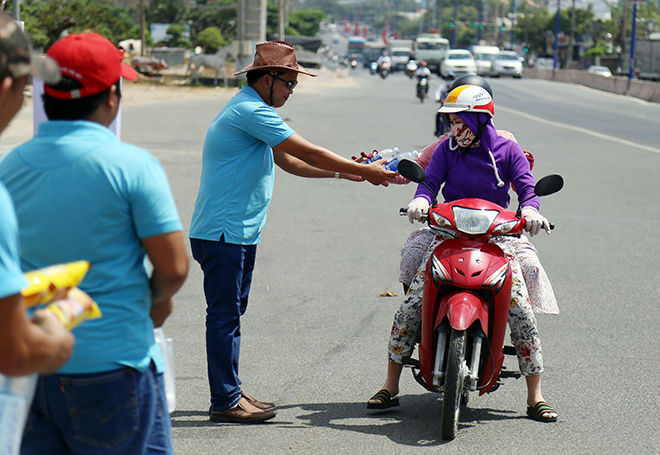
{"type": "Point", "coordinates": [481, 127]}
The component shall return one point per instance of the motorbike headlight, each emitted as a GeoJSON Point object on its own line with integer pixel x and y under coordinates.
{"type": "Point", "coordinates": [505, 228]}
{"type": "Point", "coordinates": [441, 220]}
{"type": "Point", "coordinates": [474, 222]}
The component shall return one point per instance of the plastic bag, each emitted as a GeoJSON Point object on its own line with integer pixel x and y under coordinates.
{"type": "Point", "coordinates": [166, 346]}
{"type": "Point", "coordinates": [52, 283]}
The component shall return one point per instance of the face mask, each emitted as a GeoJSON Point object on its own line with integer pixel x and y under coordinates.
{"type": "Point", "coordinates": [462, 134]}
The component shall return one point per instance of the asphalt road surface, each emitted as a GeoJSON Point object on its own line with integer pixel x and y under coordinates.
{"type": "Point", "coordinates": [316, 330]}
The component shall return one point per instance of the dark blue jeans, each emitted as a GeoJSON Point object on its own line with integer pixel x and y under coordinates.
{"type": "Point", "coordinates": [116, 412]}
{"type": "Point", "coordinates": [227, 278]}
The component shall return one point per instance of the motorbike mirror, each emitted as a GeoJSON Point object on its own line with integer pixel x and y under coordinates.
{"type": "Point", "coordinates": [412, 171]}
{"type": "Point", "coordinates": [550, 184]}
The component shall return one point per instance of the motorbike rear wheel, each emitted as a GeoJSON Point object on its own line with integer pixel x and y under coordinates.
{"type": "Point", "coordinates": [454, 381]}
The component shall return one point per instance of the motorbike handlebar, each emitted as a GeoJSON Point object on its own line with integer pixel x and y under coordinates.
{"type": "Point", "coordinates": [403, 211]}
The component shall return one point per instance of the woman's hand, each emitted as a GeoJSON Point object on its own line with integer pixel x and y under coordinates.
{"type": "Point", "coordinates": [418, 209]}
{"type": "Point", "coordinates": [534, 221]}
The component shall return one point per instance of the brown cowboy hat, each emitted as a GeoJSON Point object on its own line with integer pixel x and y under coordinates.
{"type": "Point", "coordinates": [275, 54]}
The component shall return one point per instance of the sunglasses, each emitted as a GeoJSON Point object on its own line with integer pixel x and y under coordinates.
{"type": "Point", "coordinates": [290, 85]}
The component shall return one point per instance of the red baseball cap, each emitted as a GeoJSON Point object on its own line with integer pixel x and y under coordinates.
{"type": "Point", "coordinates": [90, 59]}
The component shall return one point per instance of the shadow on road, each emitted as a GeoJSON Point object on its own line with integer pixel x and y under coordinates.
{"type": "Point", "coordinates": [415, 423]}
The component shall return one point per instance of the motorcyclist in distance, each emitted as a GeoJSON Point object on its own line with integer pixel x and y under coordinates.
{"type": "Point", "coordinates": [423, 71]}
{"type": "Point", "coordinates": [384, 58]}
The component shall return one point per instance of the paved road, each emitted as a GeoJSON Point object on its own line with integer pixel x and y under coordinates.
{"type": "Point", "coordinates": [316, 328]}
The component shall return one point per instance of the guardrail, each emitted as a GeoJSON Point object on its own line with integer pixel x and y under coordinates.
{"type": "Point", "coordinates": [646, 90]}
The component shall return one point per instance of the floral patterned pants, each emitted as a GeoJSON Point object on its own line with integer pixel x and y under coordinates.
{"type": "Point", "coordinates": [522, 323]}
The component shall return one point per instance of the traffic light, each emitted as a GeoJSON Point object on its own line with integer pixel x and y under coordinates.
{"type": "Point", "coordinates": [474, 25]}
{"type": "Point", "coordinates": [451, 24]}
{"type": "Point", "coordinates": [503, 28]}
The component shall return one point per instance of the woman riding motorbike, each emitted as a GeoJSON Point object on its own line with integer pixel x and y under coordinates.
{"type": "Point", "coordinates": [476, 162]}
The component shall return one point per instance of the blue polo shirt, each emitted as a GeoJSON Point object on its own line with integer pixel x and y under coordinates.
{"type": "Point", "coordinates": [81, 194]}
{"type": "Point", "coordinates": [238, 170]}
{"type": "Point", "coordinates": [11, 276]}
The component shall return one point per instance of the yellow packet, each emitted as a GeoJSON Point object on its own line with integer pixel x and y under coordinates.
{"type": "Point", "coordinates": [75, 308]}
{"type": "Point", "coordinates": [53, 282]}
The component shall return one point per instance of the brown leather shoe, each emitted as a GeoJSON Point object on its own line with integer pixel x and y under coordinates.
{"type": "Point", "coordinates": [259, 404]}
{"type": "Point", "coordinates": [240, 414]}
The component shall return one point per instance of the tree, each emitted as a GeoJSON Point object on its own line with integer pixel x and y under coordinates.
{"type": "Point", "coordinates": [45, 22]}
{"type": "Point", "coordinates": [306, 21]}
{"type": "Point", "coordinates": [177, 37]}
{"type": "Point", "coordinates": [210, 39]}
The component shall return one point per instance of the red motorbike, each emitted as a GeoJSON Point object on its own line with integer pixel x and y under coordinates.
{"type": "Point", "coordinates": [466, 297]}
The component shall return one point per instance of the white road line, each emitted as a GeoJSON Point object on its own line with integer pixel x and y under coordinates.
{"type": "Point", "coordinates": [580, 130]}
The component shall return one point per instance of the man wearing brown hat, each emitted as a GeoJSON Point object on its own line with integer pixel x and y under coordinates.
{"type": "Point", "coordinates": [242, 145]}
{"type": "Point", "coordinates": [26, 347]}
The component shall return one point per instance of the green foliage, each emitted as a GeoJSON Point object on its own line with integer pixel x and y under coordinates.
{"type": "Point", "coordinates": [306, 21]}
{"type": "Point", "coordinates": [598, 49]}
{"type": "Point", "coordinates": [212, 16]}
{"type": "Point", "coordinates": [177, 37]}
{"type": "Point", "coordinates": [134, 33]}
{"type": "Point", "coordinates": [47, 21]}
{"type": "Point", "coordinates": [533, 27]}
{"type": "Point", "coordinates": [210, 39]}
{"type": "Point", "coordinates": [166, 12]}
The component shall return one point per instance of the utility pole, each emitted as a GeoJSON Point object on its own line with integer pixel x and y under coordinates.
{"type": "Point", "coordinates": [556, 47]}
{"type": "Point", "coordinates": [571, 45]}
{"type": "Point", "coordinates": [17, 10]}
{"type": "Point", "coordinates": [513, 20]}
{"type": "Point", "coordinates": [143, 39]}
{"type": "Point", "coordinates": [281, 18]}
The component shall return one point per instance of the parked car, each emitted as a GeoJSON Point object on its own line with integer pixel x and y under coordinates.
{"type": "Point", "coordinates": [507, 63]}
{"type": "Point", "coordinates": [458, 61]}
{"type": "Point", "coordinates": [602, 70]}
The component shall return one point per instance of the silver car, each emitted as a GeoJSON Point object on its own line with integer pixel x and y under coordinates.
{"type": "Point", "coordinates": [507, 63]}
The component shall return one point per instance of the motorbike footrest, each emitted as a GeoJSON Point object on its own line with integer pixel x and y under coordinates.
{"type": "Point", "coordinates": [410, 362]}
{"type": "Point", "coordinates": [509, 350]}
{"type": "Point", "coordinates": [510, 374]}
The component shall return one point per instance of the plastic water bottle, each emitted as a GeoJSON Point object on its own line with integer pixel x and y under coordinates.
{"type": "Point", "coordinates": [16, 395]}
{"type": "Point", "coordinates": [168, 375]}
{"type": "Point", "coordinates": [386, 155]}
{"type": "Point", "coordinates": [393, 164]}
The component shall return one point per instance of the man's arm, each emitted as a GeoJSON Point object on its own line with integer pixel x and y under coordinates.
{"type": "Point", "coordinates": [293, 165]}
{"type": "Point", "coordinates": [169, 258]}
{"type": "Point", "coordinates": [322, 158]}
{"type": "Point", "coordinates": [28, 347]}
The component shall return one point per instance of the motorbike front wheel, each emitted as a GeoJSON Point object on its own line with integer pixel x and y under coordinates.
{"type": "Point", "coordinates": [454, 380]}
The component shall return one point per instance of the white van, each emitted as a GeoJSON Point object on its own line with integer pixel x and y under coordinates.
{"type": "Point", "coordinates": [483, 56]}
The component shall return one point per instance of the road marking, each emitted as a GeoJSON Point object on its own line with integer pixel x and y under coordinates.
{"type": "Point", "coordinates": [581, 130]}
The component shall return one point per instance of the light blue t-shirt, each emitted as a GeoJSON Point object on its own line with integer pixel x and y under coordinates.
{"type": "Point", "coordinates": [238, 170]}
{"type": "Point", "coordinates": [11, 276]}
{"type": "Point", "coordinates": [81, 194]}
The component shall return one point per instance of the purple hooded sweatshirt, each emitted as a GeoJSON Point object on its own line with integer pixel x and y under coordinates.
{"type": "Point", "coordinates": [469, 173]}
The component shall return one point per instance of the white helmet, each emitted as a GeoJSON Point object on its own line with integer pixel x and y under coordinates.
{"type": "Point", "coordinates": [468, 98]}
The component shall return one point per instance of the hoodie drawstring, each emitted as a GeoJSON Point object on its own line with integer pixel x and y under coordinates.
{"type": "Point", "coordinates": [500, 183]}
